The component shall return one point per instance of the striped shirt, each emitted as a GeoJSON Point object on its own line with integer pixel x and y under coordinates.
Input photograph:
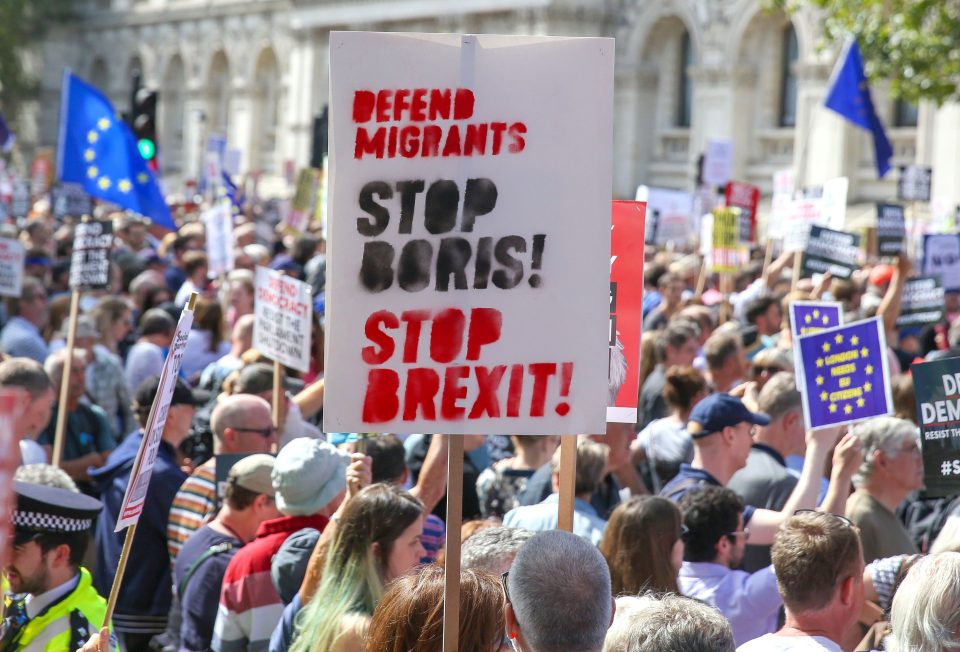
{"type": "Point", "coordinates": [194, 506]}
{"type": "Point", "coordinates": [433, 537]}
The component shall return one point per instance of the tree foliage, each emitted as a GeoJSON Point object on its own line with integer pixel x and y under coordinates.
{"type": "Point", "coordinates": [22, 24]}
{"type": "Point", "coordinates": [914, 44]}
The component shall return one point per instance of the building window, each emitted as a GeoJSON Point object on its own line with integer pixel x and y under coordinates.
{"type": "Point", "coordinates": [685, 104]}
{"type": "Point", "coordinates": [904, 114]}
{"type": "Point", "coordinates": [788, 77]}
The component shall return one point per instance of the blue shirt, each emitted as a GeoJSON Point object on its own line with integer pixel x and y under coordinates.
{"type": "Point", "coordinates": [690, 478]}
{"type": "Point", "coordinates": [543, 516]}
{"type": "Point", "coordinates": [22, 339]}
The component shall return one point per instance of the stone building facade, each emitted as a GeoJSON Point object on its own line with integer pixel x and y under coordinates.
{"type": "Point", "coordinates": [686, 71]}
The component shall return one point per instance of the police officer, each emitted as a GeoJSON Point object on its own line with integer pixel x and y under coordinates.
{"type": "Point", "coordinates": [54, 606]}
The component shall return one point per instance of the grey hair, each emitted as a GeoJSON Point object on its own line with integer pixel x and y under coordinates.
{"type": "Point", "coordinates": [591, 462]}
{"type": "Point", "coordinates": [559, 587]}
{"type": "Point", "coordinates": [492, 548]}
{"type": "Point", "coordinates": [949, 538]}
{"type": "Point", "coordinates": [880, 433]}
{"type": "Point", "coordinates": [925, 616]}
{"type": "Point", "coordinates": [54, 363]}
{"type": "Point", "coordinates": [233, 410]}
{"type": "Point", "coordinates": [780, 396]}
{"type": "Point", "coordinates": [27, 374]}
{"type": "Point", "coordinates": [47, 475]}
{"type": "Point", "coordinates": [616, 370]}
{"type": "Point", "coordinates": [671, 623]}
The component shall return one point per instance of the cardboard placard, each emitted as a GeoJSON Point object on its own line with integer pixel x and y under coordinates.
{"type": "Point", "coordinates": [90, 262]}
{"type": "Point", "coordinates": [891, 229]}
{"type": "Point", "coordinates": [136, 495]}
{"type": "Point", "coordinates": [626, 318]}
{"type": "Point", "coordinates": [805, 213]}
{"type": "Point", "coordinates": [745, 197]}
{"type": "Point", "coordinates": [12, 255]}
{"type": "Point", "coordinates": [922, 302]}
{"type": "Point", "coordinates": [718, 163]}
{"type": "Point", "coordinates": [284, 312]}
{"type": "Point", "coordinates": [914, 183]}
{"type": "Point", "coordinates": [454, 223]}
{"type": "Point", "coordinates": [941, 258]}
{"type": "Point", "coordinates": [935, 386]}
{"type": "Point", "coordinates": [218, 223]}
{"type": "Point", "coordinates": [830, 251]}
{"type": "Point", "coordinates": [725, 241]}
{"type": "Point", "coordinates": [845, 375]}
{"type": "Point", "coordinates": [303, 202]}
{"type": "Point", "coordinates": [672, 214]}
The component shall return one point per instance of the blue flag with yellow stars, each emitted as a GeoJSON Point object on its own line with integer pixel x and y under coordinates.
{"type": "Point", "coordinates": [845, 374]}
{"type": "Point", "coordinates": [808, 317]}
{"type": "Point", "coordinates": [99, 152]}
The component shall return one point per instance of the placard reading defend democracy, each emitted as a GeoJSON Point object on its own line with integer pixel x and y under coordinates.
{"type": "Point", "coordinates": [936, 386]}
{"type": "Point", "coordinates": [284, 314]}
{"type": "Point", "coordinates": [90, 262]}
{"type": "Point", "coordinates": [922, 302]}
{"type": "Point", "coordinates": [12, 256]}
{"type": "Point", "coordinates": [830, 251]}
{"type": "Point", "coordinates": [469, 233]}
{"type": "Point", "coordinates": [626, 309]}
{"type": "Point", "coordinates": [845, 375]}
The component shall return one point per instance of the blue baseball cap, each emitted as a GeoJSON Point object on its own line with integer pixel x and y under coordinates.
{"type": "Point", "coordinates": [718, 411]}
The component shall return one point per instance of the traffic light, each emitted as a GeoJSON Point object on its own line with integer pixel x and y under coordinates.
{"type": "Point", "coordinates": [320, 140]}
{"type": "Point", "coordinates": [145, 123]}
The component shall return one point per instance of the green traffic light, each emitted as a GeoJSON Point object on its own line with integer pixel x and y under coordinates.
{"type": "Point", "coordinates": [147, 148]}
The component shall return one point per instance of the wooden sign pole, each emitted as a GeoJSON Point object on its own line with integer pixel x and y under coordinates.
{"type": "Point", "coordinates": [451, 587]}
{"type": "Point", "coordinates": [62, 414]}
{"type": "Point", "coordinates": [797, 265]}
{"type": "Point", "coordinates": [277, 394]}
{"type": "Point", "coordinates": [568, 481]}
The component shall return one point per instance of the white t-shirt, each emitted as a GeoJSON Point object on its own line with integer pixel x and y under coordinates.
{"type": "Point", "coordinates": [774, 643]}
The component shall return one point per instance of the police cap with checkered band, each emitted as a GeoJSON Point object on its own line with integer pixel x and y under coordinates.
{"type": "Point", "coordinates": [49, 510]}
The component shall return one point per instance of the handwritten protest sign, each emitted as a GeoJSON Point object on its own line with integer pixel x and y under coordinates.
{"type": "Point", "coordinates": [283, 311]}
{"type": "Point", "coordinates": [718, 162]}
{"type": "Point", "coordinates": [466, 256]}
{"type": "Point", "coordinates": [936, 386]}
{"type": "Point", "coordinates": [941, 258]}
{"type": "Point", "coordinates": [725, 252]}
{"type": "Point", "coordinates": [90, 262]}
{"type": "Point", "coordinates": [922, 302]}
{"type": "Point", "coordinates": [745, 197]}
{"type": "Point", "coordinates": [830, 251]}
{"type": "Point", "coordinates": [136, 495]}
{"type": "Point", "coordinates": [891, 229]}
{"type": "Point", "coordinates": [218, 223]}
{"type": "Point", "coordinates": [805, 213]}
{"type": "Point", "coordinates": [914, 183]}
{"type": "Point", "coordinates": [781, 204]}
{"type": "Point", "coordinates": [672, 212]}
{"type": "Point", "coordinates": [12, 256]}
{"type": "Point", "coordinates": [833, 202]}
{"type": "Point", "coordinates": [845, 375]}
{"type": "Point", "coordinates": [626, 299]}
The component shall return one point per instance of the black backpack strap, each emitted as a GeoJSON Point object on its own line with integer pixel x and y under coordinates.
{"type": "Point", "coordinates": [212, 551]}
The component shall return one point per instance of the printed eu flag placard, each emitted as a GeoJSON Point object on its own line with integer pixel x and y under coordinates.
{"type": "Point", "coordinates": [807, 317]}
{"type": "Point", "coordinates": [99, 152]}
{"type": "Point", "coordinates": [845, 374]}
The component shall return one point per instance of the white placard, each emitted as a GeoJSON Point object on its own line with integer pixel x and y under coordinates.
{"type": "Point", "coordinates": [804, 213]}
{"type": "Point", "coordinates": [718, 163]}
{"type": "Point", "coordinates": [218, 223]}
{"type": "Point", "coordinates": [284, 312]}
{"type": "Point", "coordinates": [12, 256]}
{"type": "Point", "coordinates": [834, 202]}
{"type": "Point", "coordinates": [674, 214]}
{"type": "Point", "coordinates": [468, 281]}
{"type": "Point", "coordinates": [136, 494]}
{"type": "Point", "coordinates": [781, 202]}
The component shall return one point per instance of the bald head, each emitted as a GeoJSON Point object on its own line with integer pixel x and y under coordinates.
{"type": "Point", "coordinates": [242, 423]}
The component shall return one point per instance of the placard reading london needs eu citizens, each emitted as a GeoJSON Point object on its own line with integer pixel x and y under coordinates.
{"type": "Point", "coordinates": [469, 261]}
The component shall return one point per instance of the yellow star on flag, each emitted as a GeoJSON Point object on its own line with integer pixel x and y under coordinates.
{"type": "Point", "coordinates": [103, 183]}
{"type": "Point", "coordinates": [819, 362]}
{"type": "Point", "coordinates": [826, 347]}
{"type": "Point", "coordinates": [89, 155]}
{"type": "Point", "coordinates": [833, 407]}
{"type": "Point", "coordinates": [816, 313]}
{"type": "Point", "coordinates": [847, 409]}
{"type": "Point", "coordinates": [861, 402]}
{"type": "Point", "coordinates": [826, 320]}
{"type": "Point", "coordinates": [103, 124]}
{"type": "Point", "coordinates": [124, 185]}
{"type": "Point", "coordinates": [867, 386]}
{"type": "Point", "coordinates": [92, 136]}
{"type": "Point", "coordinates": [823, 396]}
{"type": "Point", "coordinates": [854, 340]}
{"type": "Point", "coordinates": [93, 171]}
{"type": "Point", "coordinates": [807, 319]}
{"type": "Point", "coordinates": [868, 369]}
{"type": "Point", "coordinates": [819, 380]}
{"type": "Point", "coordinates": [864, 352]}
{"type": "Point", "coordinates": [142, 177]}
{"type": "Point", "coordinates": [838, 338]}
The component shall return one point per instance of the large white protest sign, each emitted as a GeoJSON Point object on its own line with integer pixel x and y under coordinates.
{"type": "Point", "coordinates": [136, 495]}
{"type": "Point", "coordinates": [218, 223]}
{"type": "Point", "coordinates": [672, 212]}
{"type": "Point", "coordinates": [834, 202]}
{"type": "Point", "coordinates": [718, 163]}
{"type": "Point", "coordinates": [283, 323]}
{"type": "Point", "coordinates": [12, 256]}
{"type": "Point", "coordinates": [469, 259]}
{"type": "Point", "coordinates": [806, 212]}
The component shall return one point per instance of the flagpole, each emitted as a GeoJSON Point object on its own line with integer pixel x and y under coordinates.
{"type": "Point", "coordinates": [62, 414]}
{"type": "Point", "coordinates": [64, 104]}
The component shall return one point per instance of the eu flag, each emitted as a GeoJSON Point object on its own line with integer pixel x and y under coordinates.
{"type": "Point", "coordinates": [99, 152]}
{"type": "Point", "coordinates": [850, 97]}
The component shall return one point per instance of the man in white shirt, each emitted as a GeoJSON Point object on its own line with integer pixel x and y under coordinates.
{"type": "Point", "coordinates": [713, 546]}
{"type": "Point", "coordinates": [21, 337]}
{"type": "Point", "coordinates": [29, 376]}
{"type": "Point", "coordinates": [818, 561]}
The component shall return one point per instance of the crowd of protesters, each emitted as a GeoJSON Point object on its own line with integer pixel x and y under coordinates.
{"type": "Point", "coordinates": [717, 522]}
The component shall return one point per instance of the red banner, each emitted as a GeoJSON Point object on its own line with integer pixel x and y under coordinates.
{"type": "Point", "coordinates": [626, 300]}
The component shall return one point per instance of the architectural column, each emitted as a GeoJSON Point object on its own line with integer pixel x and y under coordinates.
{"type": "Point", "coordinates": [825, 145]}
{"type": "Point", "coordinates": [626, 103]}
{"type": "Point", "coordinates": [240, 123]}
{"type": "Point", "coordinates": [945, 155]}
{"type": "Point", "coordinates": [194, 118]}
{"type": "Point", "coordinates": [714, 117]}
{"type": "Point", "coordinates": [295, 122]}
